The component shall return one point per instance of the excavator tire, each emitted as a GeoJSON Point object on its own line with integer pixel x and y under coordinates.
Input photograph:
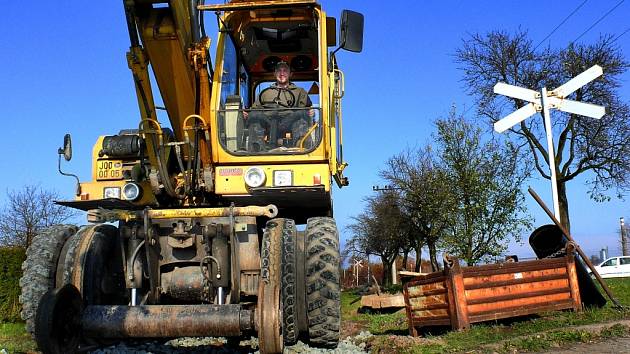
{"type": "Point", "coordinates": [286, 278]}
{"type": "Point", "coordinates": [90, 260]}
{"type": "Point", "coordinates": [288, 291]}
{"type": "Point", "coordinates": [322, 282]}
{"type": "Point", "coordinates": [39, 269]}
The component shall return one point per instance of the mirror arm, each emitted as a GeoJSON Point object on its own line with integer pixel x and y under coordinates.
{"type": "Point", "coordinates": [78, 191]}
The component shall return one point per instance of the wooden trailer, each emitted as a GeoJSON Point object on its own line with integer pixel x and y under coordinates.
{"type": "Point", "coordinates": [459, 296]}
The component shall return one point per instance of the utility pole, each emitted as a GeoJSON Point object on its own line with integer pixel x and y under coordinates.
{"type": "Point", "coordinates": [624, 242]}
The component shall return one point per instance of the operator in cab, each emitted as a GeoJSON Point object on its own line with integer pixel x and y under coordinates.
{"type": "Point", "coordinates": [278, 117]}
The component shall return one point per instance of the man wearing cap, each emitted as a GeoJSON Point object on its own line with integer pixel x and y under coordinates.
{"type": "Point", "coordinates": [284, 122]}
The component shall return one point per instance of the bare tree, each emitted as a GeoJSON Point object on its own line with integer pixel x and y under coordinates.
{"type": "Point", "coordinates": [27, 212]}
{"type": "Point", "coordinates": [599, 148]}
{"type": "Point", "coordinates": [380, 230]}
{"type": "Point", "coordinates": [485, 181]}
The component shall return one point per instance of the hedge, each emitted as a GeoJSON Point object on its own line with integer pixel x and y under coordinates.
{"type": "Point", "coordinates": [10, 272]}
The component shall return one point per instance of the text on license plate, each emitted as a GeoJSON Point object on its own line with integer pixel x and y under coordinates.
{"type": "Point", "coordinates": [109, 169]}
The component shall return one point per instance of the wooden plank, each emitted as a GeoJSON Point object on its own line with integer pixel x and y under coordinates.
{"type": "Point", "coordinates": [427, 300]}
{"type": "Point", "coordinates": [516, 281]}
{"type": "Point", "coordinates": [516, 290]}
{"type": "Point", "coordinates": [514, 296]}
{"type": "Point", "coordinates": [383, 301]}
{"type": "Point", "coordinates": [457, 280]}
{"type": "Point", "coordinates": [431, 278]}
{"type": "Point", "coordinates": [451, 300]}
{"type": "Point", "coordinates": [573, 283]}
{"type": "Point", "coordinates": [422, 289]}
{"type": "Point", "coordinates": [432, 322]}
{"type": "Point", "coordinates": [521, 311]}
{"type": "Point", "coordinates": [412, 329]}
{"type": "Point", "coordinates": [431, 307]}
{"type": "Point", "coordinates": [501, 306]}
{"type": "Point", "coordinates": [421, 292]}
{"type": "Point", "coordinates": [513, 267]}
{"type": "Point", "coordinates": [516, 275]}
{"type": "Point", "coordinates": [428, 314]}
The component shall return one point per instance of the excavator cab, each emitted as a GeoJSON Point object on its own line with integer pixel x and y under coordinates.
{"type": "Point", "coordinates": [193, 221]}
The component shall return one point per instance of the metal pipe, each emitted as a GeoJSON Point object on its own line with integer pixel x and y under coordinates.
{"type": "Point", "coordinates": [577, 247]}
{"type": "Point", "coordinates": [220, 295]}
{"type": "Point", "coordinates": [154, 321]}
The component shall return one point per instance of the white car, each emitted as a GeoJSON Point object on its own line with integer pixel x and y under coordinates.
{"type": "Point", "coordinates": [614, 267]}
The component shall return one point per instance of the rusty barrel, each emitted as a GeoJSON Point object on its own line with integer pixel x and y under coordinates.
{"type": "Point", "coordinates": [113, 321]}
{"type": "Point", "coordinates": [548, 241]}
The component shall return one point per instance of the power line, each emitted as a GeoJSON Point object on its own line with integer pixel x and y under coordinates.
{"type": "Point", "coordinates": [561, 23]}
{"type": "Point", "coordinates": [622, 33]}
{"type": "Point", "coordinates": [600, 19]}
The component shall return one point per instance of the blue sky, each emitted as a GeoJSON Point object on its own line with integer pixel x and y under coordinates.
{"type": "Point", "coordinates": [63, 70]}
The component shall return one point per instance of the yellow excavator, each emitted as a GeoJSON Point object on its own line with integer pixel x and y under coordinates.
{"type": "Point", "coordinates": [193, 221]}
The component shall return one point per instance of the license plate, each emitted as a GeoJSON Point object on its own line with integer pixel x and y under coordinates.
{"type": "Point", "coordinates": [109, 169]}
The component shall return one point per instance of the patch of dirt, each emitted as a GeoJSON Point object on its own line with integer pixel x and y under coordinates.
{"type": "Point", "coordinates": [595, 328]}
{"type": "Point", "coordinates": [351, 328]}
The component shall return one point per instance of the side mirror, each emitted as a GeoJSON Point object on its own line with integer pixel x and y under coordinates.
{"type": "Point", "coordinates": [66, 151]}
{"type": "Point", "coordinates": [351, 31]}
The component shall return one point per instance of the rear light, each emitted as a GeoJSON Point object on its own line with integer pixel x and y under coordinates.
{"type": "Point", "coordinates": [317, 179]}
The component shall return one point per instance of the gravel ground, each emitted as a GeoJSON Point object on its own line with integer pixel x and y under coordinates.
{"type": "Point", "coordinates": [350, 345]}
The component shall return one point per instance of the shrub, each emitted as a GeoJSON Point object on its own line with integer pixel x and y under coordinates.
{"type": "Point", "coordinates": [10, 272]}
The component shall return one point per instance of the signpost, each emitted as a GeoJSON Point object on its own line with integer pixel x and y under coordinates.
{"type": "Point", "coordinates": [358, 263]}
{"type": "Point", "coordinates": [542, 101]}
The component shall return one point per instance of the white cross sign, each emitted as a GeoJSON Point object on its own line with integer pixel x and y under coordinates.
{"type": "Point", "coordinates": [541, 102]}
{"type": "Point", "coordinates": [556, 99]}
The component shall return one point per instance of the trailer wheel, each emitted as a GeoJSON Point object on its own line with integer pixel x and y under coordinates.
{"type": "Point", "coordinates": [39, 269]}
{"type": "Point", "coordinates": [322, 282]}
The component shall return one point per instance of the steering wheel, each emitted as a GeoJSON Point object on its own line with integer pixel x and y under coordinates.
{"type": "Point", "coordinates": [285, 93]}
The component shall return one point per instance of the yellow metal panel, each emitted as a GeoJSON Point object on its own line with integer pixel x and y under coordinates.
{"type": "Point", "coordinates": [94, 191]}
{"type": "Point", "coordinates": [230, 180]}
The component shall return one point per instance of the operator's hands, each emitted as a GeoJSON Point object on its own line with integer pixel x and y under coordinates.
{"type": "Point", "coordinates": [311, 113]}
{"type": "Point", "coordinates": [245, 115]}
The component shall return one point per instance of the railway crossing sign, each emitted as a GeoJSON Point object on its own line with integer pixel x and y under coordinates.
{"type": "Point", "coordinates": [542, 101]}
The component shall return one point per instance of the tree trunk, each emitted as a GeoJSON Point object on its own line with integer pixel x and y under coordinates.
{"type": "Point", "coordinates": [564, 206]}
{"type": "Point", "coordinates": [405, 259]}
{"type": "Point", "coordinates": [418, 266]}
{"type": "Point", "coordinates": [387, 271]}
{"type": "Point", "coordinates": [433, 255]}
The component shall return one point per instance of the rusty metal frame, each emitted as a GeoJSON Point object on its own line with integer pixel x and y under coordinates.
{"type": "Point", "coordinates": [254, 5]}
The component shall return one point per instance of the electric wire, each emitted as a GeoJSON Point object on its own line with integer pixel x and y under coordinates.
{"type": "Point", "coordinates": [599, 20]}
{"type": "Point", "coordinates": [561, 23]}
{"type": "Point", "coordinates": [622, 33]}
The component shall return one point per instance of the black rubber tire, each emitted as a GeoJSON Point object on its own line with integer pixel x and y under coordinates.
{"type": "Point", "coordinates": [58, 321]}
{"type": "Point", "coordinates": [287, 275]}
{"type": "Point", "coordinates": [323, 290]}
{"type": "Point", "coordinates": [39, 269]}
{"type": "Point", "coordinates": [288, 278]}
{"type": "Point", "coordinates": [100, 261]}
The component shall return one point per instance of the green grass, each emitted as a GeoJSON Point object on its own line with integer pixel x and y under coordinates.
{"type": "Point", "coordinates": [15, 339]}
{"type": "Point", "coordinates": [536, 333]}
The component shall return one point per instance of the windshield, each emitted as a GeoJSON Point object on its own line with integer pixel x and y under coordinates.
{"type": "Point", "coordinates": [280, 118]}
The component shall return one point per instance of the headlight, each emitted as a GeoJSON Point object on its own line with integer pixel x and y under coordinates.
{"type": "Point", "coordinates": [254, 177]}
{"type": "Point", "coordinates": [282, 178]}
{"type": "Point", "coordinates": [131, 191]}
{"type": "Point", "coordinates": [111, 192]}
